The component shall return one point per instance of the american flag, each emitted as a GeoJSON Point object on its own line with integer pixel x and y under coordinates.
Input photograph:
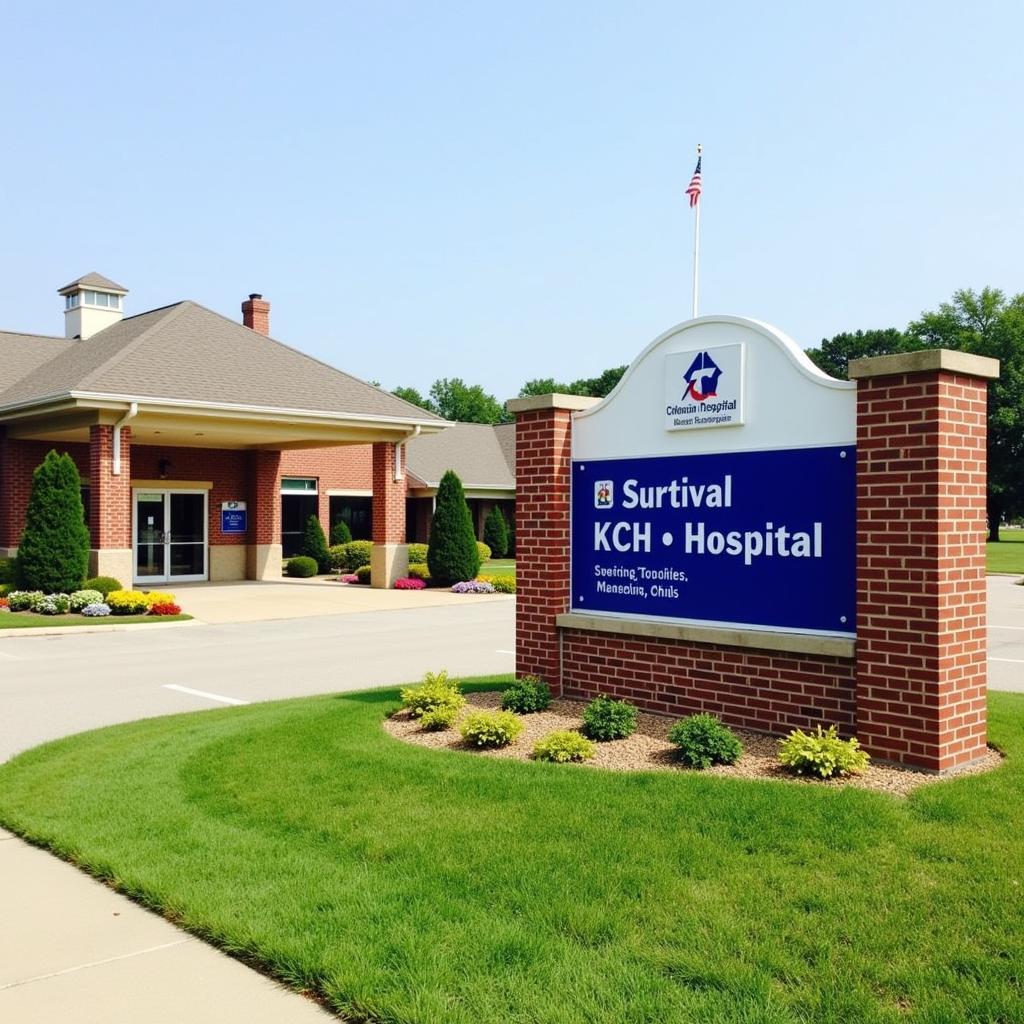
{"type": "Point", "coordinates": [693, 189]}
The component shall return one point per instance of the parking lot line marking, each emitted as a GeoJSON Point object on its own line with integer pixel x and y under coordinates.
{"type": "Point", "coordinates": [1009, 661]}
{"type": "Point", "coordinates": [504, 652]}
{"type": "Point", "coordinates": [202, 693]}
{"type": "Point", "coordinates": [1006, 627]}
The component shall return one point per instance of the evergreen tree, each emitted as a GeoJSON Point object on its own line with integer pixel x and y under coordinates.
{"type": "Point", "coordinates": [340, 533]}
{"type": "Point", "coordinates": [314, 544]}
{"type": "Point", "coordinates": [453, 555]}
{"type": "Point", "coordinates": [53, 555]}
{"type": "Point", "coordinates": [496, 533]}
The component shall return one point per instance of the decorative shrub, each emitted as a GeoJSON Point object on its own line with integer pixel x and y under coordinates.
{"type": "Point", "coordinates": [490, 728]}
{"type": "Point", "coordinates": [52, 604]}
{"type": "Point", "coordinates": [314, 544]}
{"type": "Point", "coordinates": [5, 589]}
{"type": "Point", "coordinates": [527, 695]}
{"type": "Point", "coordinates": [104, 584]}
{"type": "Point", "coordinates": [7, 570]}
{"type": "Point", "coordinates": [53, 554]}
{"type": "Point", "coordinates": [127, 602]}
{"type": "Point", "coordinates": [408, 583]}
{"type": "Point", "coordinates": [472, 587]}
{"type": "Point", "coordinates": [22, 600]}
{"type": "Point", "coordinates": [349, 557]}
{"type": "Point", "coordinates": [703, 741]}
{"type": "Point", "coordinates": [496, 533]}
{"type": "Point", "coordinates": [158, 597]}
{"type": "Point", "coordinates": [501, 584]}
{"type": "Point", "coordinates": [436, 691]}
{"type": "Point", "coordinates": [340, 533]}
{"type": "Point", "coordinates": [363, 574]}
{"type": "Point", "coordinates": [438, 719]}
{"type": "Point", "coordinates": [96, 611]}
{"type": "Point", "coordinates": [348, 577]}
{"type": "Point", "coordinates": [822, 753]}
{"type": "Point", "coordinates": [301, 567]}
{"type": "Point", "coordinates": [607, 719]}
{"type": "Point", "coordinates": [83, 598]}
{"type": "Point", "coordinates": [563, 746]}
{"type": "Point", "coordinates": [417, 554]}
{"type": "Point", "coordinates": [165, 608]}
{"type": "Point", "coordinates": [483, 550]}
{"type": "Point", "coordinates": [419, 571]}
{"type": "Point", "coordinates": [453, 554]}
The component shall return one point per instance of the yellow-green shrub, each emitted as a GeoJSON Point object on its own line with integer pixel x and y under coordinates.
{"type": "Point", "coordinates": [491, 728]}
{"type": "Point", "coordinates": [435, 692]}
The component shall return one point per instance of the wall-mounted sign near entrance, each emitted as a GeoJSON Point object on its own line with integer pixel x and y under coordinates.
{"type": "Point", "coordinates": [755, 539]}
{"type": "Point", "coordinates": [233, 517]}
{"type": "Point", "coordinates": [704, 388]}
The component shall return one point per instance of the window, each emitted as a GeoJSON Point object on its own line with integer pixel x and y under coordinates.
{"type": "Point", "coordinates": [298, 485]}
{"type": "Point", "coordinates": [357, 512]}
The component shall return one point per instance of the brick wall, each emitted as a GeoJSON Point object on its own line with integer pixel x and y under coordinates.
{"type": "Point", "coordinates": [542, 540]}
{"type": "Point", "coordinates": [110, 512]}
{"type": "Point", "coordinates": [18, 460]}
{"type": "Point", "coordinates": [763, 690]}
{"type": "Point", "coordinates": [921, 637]}
{"type": "Point", "coordinates": [388, 497]}
{"type": "Point", "coordinates": [265, 497]}
{"type": "Point", "coordinates": [345, 468]}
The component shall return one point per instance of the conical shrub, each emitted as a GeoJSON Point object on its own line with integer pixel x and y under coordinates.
{"type": "Point", "coordinates": [453, 555]}
{"type": "Point", "coordinates": [314, 544]}
{"type": "Point", "coordinates": [496, 533]}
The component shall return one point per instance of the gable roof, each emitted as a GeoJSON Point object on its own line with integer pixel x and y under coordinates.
{"type": "Point", "coordinates": [20, 354]}
{"type": "Point", "coordinates": [186, 352]}
{"type": "Point", "coordinates": [93, 280]}
{"type": "Point", "coordinates": [476, 451]}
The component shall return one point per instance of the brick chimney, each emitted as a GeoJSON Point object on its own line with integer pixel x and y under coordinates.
{"type": "Point", "coordinates": [256, 313]}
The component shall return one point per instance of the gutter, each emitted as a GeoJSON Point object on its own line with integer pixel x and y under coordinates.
{"type": "Point", "coordinates": [133, 411]}
{"type": "Point", "coordinates": [399, 447]}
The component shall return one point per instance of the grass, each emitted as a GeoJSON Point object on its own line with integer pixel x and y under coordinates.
{"type": "Point", "coordinates": [26, 620]}
{"type": "Point", "coordinates": [1008, 554]}
{"type": "Point", "coordinates": [498, 567]}
{"type": "Point", "coordinates": [408, 885]}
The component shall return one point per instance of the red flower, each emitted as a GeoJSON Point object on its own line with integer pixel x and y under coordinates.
{"type": "Point", "coordinates": [165, 609]}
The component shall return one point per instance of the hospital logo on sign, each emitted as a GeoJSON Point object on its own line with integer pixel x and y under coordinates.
{"type": "Point", "coordinates": [704, 388]}
{"type": "Point", "coordinates": [604, 494]}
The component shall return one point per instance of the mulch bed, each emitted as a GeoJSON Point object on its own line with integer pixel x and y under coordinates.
{"type": "Point", "coordinates": [648, 749]}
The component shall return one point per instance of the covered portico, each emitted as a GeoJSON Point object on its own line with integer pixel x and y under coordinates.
{"type": "Point", "coordinates": [186, 491]}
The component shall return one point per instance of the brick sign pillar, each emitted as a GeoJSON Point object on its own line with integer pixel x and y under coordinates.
{"type": "Point", "coordinates": [543, 473]}
{"type": "Point", "coordinates": [110, 505]}
{"type": "Point", "coordinates": [390, 557]}
{"type": "Point", "coordinates": [921, 598]}
{"type": "Point", "coordinates": [264, 551]}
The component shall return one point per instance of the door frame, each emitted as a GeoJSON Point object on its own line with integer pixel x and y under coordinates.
{"type": "Point", "coordinates": [167, 578]}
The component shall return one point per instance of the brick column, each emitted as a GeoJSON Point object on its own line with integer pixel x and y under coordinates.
{"type": "Point", "coordinates": [390, 557]}
{"type": "Point", "coordinates": [110, 505]}
{"type": "Point", "coordinates": [543, 475]}
{"type": "Point", "coordinates": [263, 553]}
{"type": "Point", "coordinates": [921, 599]}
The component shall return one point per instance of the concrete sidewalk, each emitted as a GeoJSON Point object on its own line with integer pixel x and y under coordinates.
{"type": "Point", "coordinates": [73, 950]}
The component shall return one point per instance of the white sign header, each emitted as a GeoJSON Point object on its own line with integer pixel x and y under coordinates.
{"type": "Point", "coordinates": [704, 388]}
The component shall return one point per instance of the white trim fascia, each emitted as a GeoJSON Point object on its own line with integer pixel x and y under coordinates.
{"type": "Point", "coordinates": [156, 404]}
{"type": "Point", "coordinates": [348, 492]}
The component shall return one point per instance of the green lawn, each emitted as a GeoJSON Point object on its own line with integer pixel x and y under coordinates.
{"type": "Point", "coordinates": [409, 885]}
{"type": "Point", "coordinates": [498, 567]}
{"type": "Point", "coordinates": [26, 620]}
{"type": "Point", "coordinates": [1008, 554]}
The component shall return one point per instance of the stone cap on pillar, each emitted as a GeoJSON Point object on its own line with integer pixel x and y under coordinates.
{"type": "Point", "coordinates": [574, 403]}
{"type": "Point", "coordinates": [928, 360]}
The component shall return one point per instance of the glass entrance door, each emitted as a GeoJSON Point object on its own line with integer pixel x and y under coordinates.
{"type": "Point", "coordinates": [170, 536]}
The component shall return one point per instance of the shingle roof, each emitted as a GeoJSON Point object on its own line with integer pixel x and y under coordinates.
{"type": "Point", "coordinates": [187, 352]}
{"type": "Point", "coordinates": [20, 354]}
{"type": "Point", "coordinates": [92, 280]}
{"type": "Point", "coordinates": [476, 451]}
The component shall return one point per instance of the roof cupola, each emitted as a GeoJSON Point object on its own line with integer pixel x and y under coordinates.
{"type": "Point", "coordinates": [91, 304]}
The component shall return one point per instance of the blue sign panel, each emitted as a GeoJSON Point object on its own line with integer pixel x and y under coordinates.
{"type": "Point", "coordinates": [233, 520]}
{"type": "Point", "coordinates": [761, 539]}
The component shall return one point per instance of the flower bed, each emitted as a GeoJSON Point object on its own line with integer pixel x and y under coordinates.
{"type": "Point", "coordinates": [649, 748]}
{"type": "Point", "coordinates": [25, 606]}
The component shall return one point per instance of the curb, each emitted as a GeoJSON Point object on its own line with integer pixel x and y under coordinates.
{"type": "Point", "coordinates": [10, 634]}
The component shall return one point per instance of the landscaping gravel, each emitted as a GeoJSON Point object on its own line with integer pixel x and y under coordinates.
{"type": "Point", "coordinates": [648, 748]}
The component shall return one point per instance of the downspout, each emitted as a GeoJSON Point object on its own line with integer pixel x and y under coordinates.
{"type": "Point", "coordinates": [133, 411]}
{"type": "Point", "coordinates": [399, 470]}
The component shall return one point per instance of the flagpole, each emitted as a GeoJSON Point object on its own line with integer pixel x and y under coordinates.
{"type": "Point", "coordinates": [696, 247]}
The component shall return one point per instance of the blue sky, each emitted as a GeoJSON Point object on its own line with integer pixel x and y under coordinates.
{"type": "Point", "coordinates": [496, 193]}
